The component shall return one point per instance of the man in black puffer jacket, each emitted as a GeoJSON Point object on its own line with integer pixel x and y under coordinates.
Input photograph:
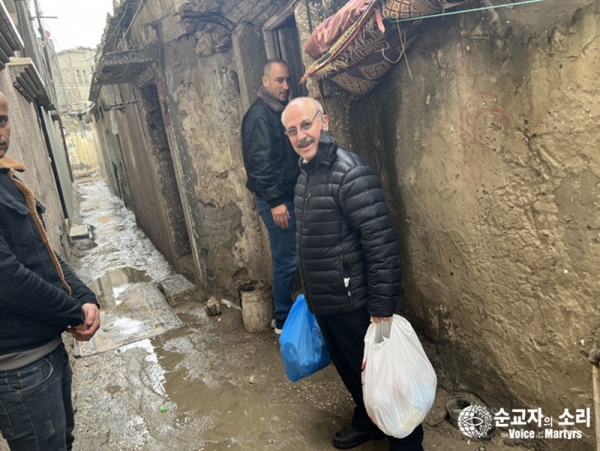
{"type": "Point", "coordinates": [347, 253]}
{"type": "Point", "coordinates": [272, 169]}
{"type": "Point", "coordinates": [40, 297]}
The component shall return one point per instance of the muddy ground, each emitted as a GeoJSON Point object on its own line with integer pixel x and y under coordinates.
{"type": "Point", "coordinates": [225, 389]}
{"type": "Point", "coordinates": [210, 385]}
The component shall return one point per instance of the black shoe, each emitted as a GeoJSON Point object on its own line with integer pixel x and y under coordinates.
{"type": "Point", "coordinates": [349, 437]}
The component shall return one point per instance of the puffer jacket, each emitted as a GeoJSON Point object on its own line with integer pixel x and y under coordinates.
{"type": "Point", "coordinates": [34, 306]}
{"type": "Point", "coordinates": [346, 244]}
{"type": "Point", "coordinates": [271, 162]}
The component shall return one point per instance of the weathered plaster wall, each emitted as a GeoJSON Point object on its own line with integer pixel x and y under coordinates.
{"type": "Point", "coordinates": [157, 146]}
{"type": "Point", "coordinates": [106, 132]}
{"type": "Point", "coordinates": [27, 144]}
{"type": "Point", "coordinates": [81, 145]}
{"type": "Point", "coordinates": [489, 156]}
{"type": "Point", "coordinates": [143, 173]}
{"type": "Point", "coordinates": [59, 159]}
{"type": "Point", "coordinates": [202, 93]}
{"type": "Point", "coordinates": [199, 88]}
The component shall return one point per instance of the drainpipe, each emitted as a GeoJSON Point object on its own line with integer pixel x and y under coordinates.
{"type": "Point", "coordinates": [594, 358]}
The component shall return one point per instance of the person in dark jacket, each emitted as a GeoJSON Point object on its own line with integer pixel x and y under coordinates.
{"type": "Point", "coordinates": [272, 169]}
{"type": "Point", "coordinates": [348, 255]}
{"type": "Point", "coordinates": [40, 297]}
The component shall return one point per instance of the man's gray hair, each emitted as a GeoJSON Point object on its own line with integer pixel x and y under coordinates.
{"type": "Point", "coordinates": [268, 64]}
{"type": "Point", "coordinates": [301, 100]}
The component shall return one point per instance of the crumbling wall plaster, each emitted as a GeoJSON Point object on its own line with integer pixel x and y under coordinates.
{"type": "Point", "coordinates": [81, 146]}
{"type": "Point", "coordinates": [225, 221]}
{"type": "Point", "coordinates": [489, 158]}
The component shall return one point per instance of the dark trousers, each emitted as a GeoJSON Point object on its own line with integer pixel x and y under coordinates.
{"type": "Point", "coordinates": [283, 254]}
{"type": "Point", "coordinates": [36, 411]}
{"type": "Point", "coordinates": [344, 335]}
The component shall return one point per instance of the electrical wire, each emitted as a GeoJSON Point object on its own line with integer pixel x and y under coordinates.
{"type": "Point", "coordinates": [142, 2]}
{"type": "Point", "coordinates": [53, 5]}
{"type": "Point", "coordinates": [451, 13]}
{"type": "Point", "coordinates": [83, 10]}
{"type": "Point", "coordinates": [98, 52]}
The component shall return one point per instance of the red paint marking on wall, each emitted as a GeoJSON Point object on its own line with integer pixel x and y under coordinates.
{"type": "Point", "coordinates": [483, 123]}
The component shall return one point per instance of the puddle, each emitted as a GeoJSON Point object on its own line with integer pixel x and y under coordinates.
{"type": "Point", "coordinates": [115, 282]}
{"type": "Point", "coordinates": [138, 311]}
{"type": "Point", "coordinates": [120, 242]}
{"type": "Point", "coordinates": [156, 373]}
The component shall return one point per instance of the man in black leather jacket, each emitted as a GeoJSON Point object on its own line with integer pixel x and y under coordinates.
{"type": "Point", "coordinates": [40, 297]}
{"type": "Point", "coordinates": [348, 256]}
{"type": "Point", "coordinates": [272, 169]}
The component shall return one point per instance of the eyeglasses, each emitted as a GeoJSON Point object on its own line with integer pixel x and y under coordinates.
{"type": "Point", "coordinates": [304, 126]}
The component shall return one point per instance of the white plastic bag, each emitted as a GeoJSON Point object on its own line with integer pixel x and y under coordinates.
{"type": "Point", "coordinates": [399, 382]}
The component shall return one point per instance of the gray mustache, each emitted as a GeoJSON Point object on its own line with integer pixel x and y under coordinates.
{"type": "Point", "coordinates": [306, 142]}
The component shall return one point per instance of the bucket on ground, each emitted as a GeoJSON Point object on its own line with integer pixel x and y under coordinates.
{"type": "Point", "coordinates": [256, 299]}
{"type": "Point", "coordinates": [454, 407]}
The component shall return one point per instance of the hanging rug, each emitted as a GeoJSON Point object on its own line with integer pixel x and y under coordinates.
{"type": "Point", "coordinates": [370, 46]}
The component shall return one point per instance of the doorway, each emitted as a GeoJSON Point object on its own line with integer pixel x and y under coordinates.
{"type": "Point", "coordinates": [282, 41]}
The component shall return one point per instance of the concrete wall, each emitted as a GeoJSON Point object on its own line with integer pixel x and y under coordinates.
{"type": "Point", "coordinates": [225, 223]}
{"type": "Point", "coordinates": [52, 134]}
{"type": "Point", "coordinates": [60, 159]}
{"type": "Point", "coordinates": [105, 132]}
{"type": "Point", "coordinates": [139, 168]}
{"type": "Point", "coordinates": [27, 144]}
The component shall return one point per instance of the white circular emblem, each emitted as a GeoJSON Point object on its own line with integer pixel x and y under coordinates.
{"type": "Point", "coordinates": [475, 421]}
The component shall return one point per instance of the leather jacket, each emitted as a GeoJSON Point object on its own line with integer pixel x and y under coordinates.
{"type": "Point", "coordinates": [271, 162]}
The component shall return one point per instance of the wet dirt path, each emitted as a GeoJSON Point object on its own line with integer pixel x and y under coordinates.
{"type": "Point", "coordinates": [209, 386]}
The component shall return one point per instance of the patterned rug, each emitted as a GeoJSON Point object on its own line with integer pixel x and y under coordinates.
{"type": "Point", "coordinates": [372, 44]}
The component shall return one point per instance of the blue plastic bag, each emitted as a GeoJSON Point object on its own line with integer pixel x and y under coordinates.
{"type": "Point", "coordinates": [301, 343]}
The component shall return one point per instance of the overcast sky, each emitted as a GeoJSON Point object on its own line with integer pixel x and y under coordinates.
{"type": "Point", "coordinates": [79, 23]}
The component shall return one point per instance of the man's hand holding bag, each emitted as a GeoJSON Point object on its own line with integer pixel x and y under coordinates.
{"type": "Point", "coordinates": [301, 344]}
{"type": "Point", "coordinates": [399, 382]}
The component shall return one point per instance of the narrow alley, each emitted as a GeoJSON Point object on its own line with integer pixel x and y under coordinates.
{"type": "Point", "coordinates": [207, 386]}
{"type": "Point", "coordinates": [476, 124]}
